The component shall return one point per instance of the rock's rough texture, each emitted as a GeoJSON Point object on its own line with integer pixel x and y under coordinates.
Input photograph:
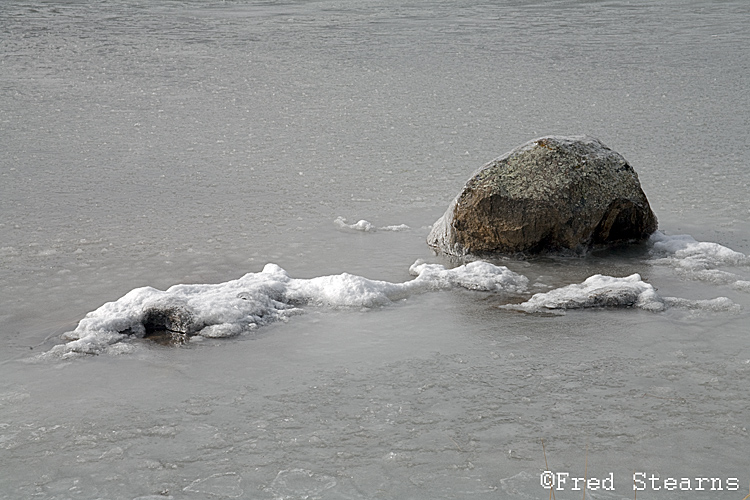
{"type": "Point", "coordinates": [550, 194]}
{"type": "Point", "coordinates": [175, 319]}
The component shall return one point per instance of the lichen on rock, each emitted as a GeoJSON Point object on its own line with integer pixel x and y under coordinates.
{"type": "Point", "coordinates": [550, 194]}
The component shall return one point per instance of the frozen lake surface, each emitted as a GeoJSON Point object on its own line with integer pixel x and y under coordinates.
{"type": "Point", "coordinates": [154, 144]}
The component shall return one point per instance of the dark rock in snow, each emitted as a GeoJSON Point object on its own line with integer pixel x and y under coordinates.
{"type": "Point", "coordinates": [173, 319]}
{"type": "Point", "coordinates": [550, 194]}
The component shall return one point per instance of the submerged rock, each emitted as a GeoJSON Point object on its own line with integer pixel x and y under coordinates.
{"type": "Point", "coordinates": [176, 319]}
{"type": "Point", "coordinates": [169, 324]}
{"type": "Point", "coordinates": [550, 194]}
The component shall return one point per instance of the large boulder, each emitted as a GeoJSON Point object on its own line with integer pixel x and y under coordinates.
{"type": "Point", "coordinates": [550, 194]}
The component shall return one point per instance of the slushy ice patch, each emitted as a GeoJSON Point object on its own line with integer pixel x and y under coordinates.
{"type": "Point", "coordinates": [607, 291]}
{"type": "Point", "coordinates": [688, 257]}
{"type": "Point", "coordinates": [698, 260]}
{"type": "Point", "coordinates": [685, 251]}
{"type": "Point", "coordinates": [596, 291]}
{"type": "Point", "coordinates": [367, 226]}
{"type": "Point", "coordinates": [256, 299]}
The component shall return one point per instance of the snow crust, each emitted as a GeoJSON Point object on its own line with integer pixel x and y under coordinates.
{"type": "Point", "coordinates": [608, 291]}
{"type": "Point", "coordinates": [692, 258]}
{"type": "Point", "coordinates": [596, 291]}
{"type": "Point", "coordinates": [699, 259]}
{"type": "Point", "coordinates": [686, 252]}
{"type": "Point", "coordinates": [257, 299]}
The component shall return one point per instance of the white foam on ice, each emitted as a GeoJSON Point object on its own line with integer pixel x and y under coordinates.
{"type": "Point", "coordinates": [367, 226]}
{"type": "Point", "coordinates": [695, 254]}
{"type": "Point", "coordinates": [596, 291]}
{"type": "Point", "coordinates": [607, 291]}
{"type": "Point", "coordinates": [395, 227]}
{"type": "Point", "coordinates": [699, 259]}
{"type": "Point", "coordinates": [362, 225]}
{"type": "Point", "coordinates": [701, 253]}
{"type": "Point", "coordinates": [256, 299]}
{"type": "Point", "coordinates": [478, 275]}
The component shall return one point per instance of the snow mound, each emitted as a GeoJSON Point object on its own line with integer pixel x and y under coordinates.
{"type": "Point", "coordinates": [368, 227]}
{"type": "Point", "coordinates": [477, 275]}
{"type": "Point", "coordinates": [685, 251]}
{"type": "Point", "coordinates": [596, 291]}
{"type": "Point", "coordinates": [698, 260]}
{"type": "Point", "coordinates": [607, 291]}
{"type": "Point", "coordinates": [257, 299]}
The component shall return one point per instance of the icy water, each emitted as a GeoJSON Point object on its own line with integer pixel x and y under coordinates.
{"type": "Point", "coordinates": [159, 143]}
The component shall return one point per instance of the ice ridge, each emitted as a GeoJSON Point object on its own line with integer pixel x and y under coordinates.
{"type": "Point", "coordinates": [256, 299]}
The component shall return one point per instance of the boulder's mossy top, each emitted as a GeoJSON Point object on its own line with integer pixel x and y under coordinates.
{"type": "Point", "coordinates": [550, 194]}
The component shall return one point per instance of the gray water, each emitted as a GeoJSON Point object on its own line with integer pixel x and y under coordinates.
{"type": "Point", "coordinates": [155, 143]}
